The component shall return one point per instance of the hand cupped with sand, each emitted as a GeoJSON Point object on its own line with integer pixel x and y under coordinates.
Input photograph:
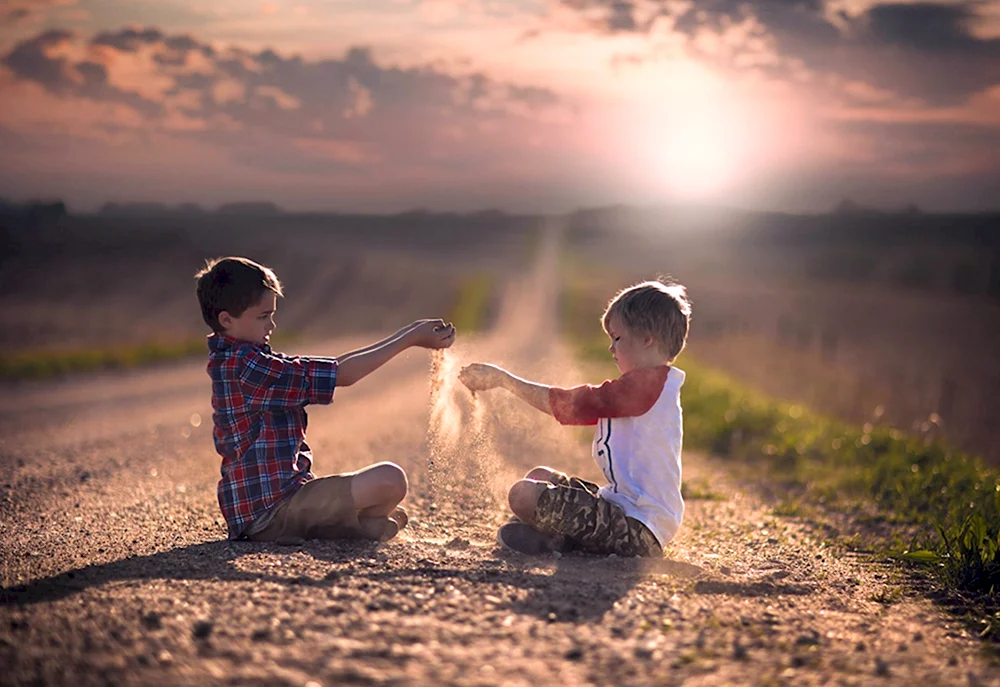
{"type": "Point", "coordinates": [481, 376]}
{"type": "Point", "coordinates": [434, 334]}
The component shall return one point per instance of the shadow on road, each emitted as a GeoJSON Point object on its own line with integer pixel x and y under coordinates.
{"type": "Point", "coordinates": [752, 588]}
{"type": "Point", "coordinates": [207, 561]}
{"type": "Point", "coordinates": [574, 588]}
{"type": "Point", "coordinates": [584, 587]}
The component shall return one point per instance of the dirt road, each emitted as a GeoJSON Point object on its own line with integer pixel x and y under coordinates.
{"type": "Point", "coordinates": [115, 569]}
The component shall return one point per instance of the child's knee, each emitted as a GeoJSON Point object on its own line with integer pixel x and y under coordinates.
{"type": "Point", "coordinates": [388, 480]}
{"type": "Point", "coordinates": [395, 481]}
{"type": "Point", "coordinates": [540, 473]}
{"type": "Point", "coordinates": [523, 496]}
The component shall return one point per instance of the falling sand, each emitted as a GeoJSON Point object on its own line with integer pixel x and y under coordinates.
{"type": "Point", "coordinates": [460, 436]}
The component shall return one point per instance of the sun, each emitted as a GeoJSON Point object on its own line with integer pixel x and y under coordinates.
{"type": "Point", "coordinates": [687, 131]}
{"type": "Point", "coordinates": [695, 157]}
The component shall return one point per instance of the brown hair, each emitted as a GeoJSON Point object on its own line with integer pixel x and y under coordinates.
{"type": "Point", "coordinates": [232, 285]}
{"type": "Point", "coordinates": [658, 308]}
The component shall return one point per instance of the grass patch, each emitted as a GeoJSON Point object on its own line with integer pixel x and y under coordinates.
{"type": "Point", "coordinates": [58, 363]}
{"type": "Point", "coordinates": [47, 364]}
{"type": "Point", "coordinates": [950, 498]}
{"type": "Point", "coordinates": [887, 596]}
{"type": "Point", "coordinates": [472, 303]}
{"type": "Point", "coordinates": [692, 491]}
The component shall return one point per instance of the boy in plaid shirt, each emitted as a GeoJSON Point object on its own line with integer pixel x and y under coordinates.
{"type": "Point", "coordinates": [268, 491]}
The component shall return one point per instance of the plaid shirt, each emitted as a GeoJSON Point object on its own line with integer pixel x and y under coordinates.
{"type": "Point", "coordinates": [259, 399]}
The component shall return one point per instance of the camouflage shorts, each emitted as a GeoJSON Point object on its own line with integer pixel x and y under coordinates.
{"type": "Point", "coordinates": [571, 507]}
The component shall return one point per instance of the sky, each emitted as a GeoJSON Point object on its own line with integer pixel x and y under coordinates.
{"type": "Point", "coordinates": [518, 105]}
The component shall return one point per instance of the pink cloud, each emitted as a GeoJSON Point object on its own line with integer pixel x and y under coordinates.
{"type": "Point", "coordinates": [279, 114]}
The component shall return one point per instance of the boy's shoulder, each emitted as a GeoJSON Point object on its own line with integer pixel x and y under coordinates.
{"type": "Point", "coordinates": [227, 353]}
{"type": "Point", "coordinates": [645, 385]}
{"type": "Point", "coordinates": [222, 345]}
{"type": "Point", "coordinates": [641, 377]}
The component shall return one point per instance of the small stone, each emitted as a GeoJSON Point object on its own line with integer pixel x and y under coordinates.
{"type": "Point", "coordinates": [881, 668]}
{"type": "Point", "coordinates": [809, 639]}
{"type": "Point", "coordinates": [918, 636]}
{"type": "Point", "coordinates": [574, 654]}
{"type": "Point", "coordinates": [152, 620]}
{"type": "Point", "coordinates": [953, 660]}
{"type": "Point", "coordinates": [261, 634]}
{"type": "Point", "coordinates": [202, 629]}
{"type": "Point", "coordinates": [458, 544]}
{"type": "Point", "coordinates": [84, 476]}
{"type": "Point", "coordinates": [699, 641]}
{"type": "Point", "coordinates": [860, 646]}
{"type": "Point", "coordinates": [739, 650]}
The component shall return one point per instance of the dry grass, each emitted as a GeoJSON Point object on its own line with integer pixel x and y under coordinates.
{"type": "Point", "coordinates": [922, 361]}
{"type": "Point", "coordinates": [100, 291]}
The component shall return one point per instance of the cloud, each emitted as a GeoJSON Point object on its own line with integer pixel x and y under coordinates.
{"type": "Point", "coordinates": [37, 60]}
{"type": "Point", "coordinates": [315, 114]}
{"type": "Point", "coordinates": [927, 50]}
{"type": "Point", "coordinates": [48, 59]}
{"type": "Point", "coordinates": [17, 11]}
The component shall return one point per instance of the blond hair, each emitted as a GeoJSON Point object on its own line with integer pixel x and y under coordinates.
{"type": "Point", "coordinates": [658, 308]}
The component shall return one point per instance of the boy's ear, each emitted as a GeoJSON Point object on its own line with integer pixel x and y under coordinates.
{"type": "Point", "coordinates": [225, 319]}
{"type": "Point", "coordinates": [648, 340]}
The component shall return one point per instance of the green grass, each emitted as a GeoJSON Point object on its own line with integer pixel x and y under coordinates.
{"type": "Point", "coordinates": [950, 499]}
{"type": "Point", "coordinates": [472, 303]}
{"type": "Point", "coordinates": [56, 363]}
{"type": "Point", "coordinates": [471, 312]}
{"type": "Point", "coordinates": [59, 363]}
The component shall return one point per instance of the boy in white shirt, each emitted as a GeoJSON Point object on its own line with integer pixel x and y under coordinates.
{"type": "Point", "coordinates": [637, 443]}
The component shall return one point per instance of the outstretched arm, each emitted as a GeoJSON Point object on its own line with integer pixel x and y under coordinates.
{"type": "Point", "coordinates": [355, 365]}
{"type": "Point", "coordinates": [483, 376]}
{"type": "Point", "coordinates": [387, 340]}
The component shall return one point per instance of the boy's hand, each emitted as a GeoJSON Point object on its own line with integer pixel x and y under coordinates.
{"type": "Point", "coordinates": [481, 376]}
{"type": "Point", "coordinates": [431, 334]}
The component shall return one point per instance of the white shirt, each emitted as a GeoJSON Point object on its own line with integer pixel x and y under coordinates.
{"type": "Point", "coordinates": [637, 442]}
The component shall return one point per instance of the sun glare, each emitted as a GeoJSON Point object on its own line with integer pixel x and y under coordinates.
{"type": "Point", "coordinates": [694, 157]}
{"type": "Point", "coordinates": [685, 139]}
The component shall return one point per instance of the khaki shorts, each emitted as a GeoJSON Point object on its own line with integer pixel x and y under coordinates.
{"type": "Point", "coordinates": [571, 507]}
{"type": "Point", "coordinates": [322, 508]}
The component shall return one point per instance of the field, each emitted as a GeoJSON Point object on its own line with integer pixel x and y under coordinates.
{"type": "Point", "coordinates": [99, 281]}
{"type": "Point", "coordinates": [114, 568]}
{"type": "Point", "coordinates": [887, 320]}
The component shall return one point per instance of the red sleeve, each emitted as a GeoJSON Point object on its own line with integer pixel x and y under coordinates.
{"type": "Point", "coordinates": [631, 395]}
